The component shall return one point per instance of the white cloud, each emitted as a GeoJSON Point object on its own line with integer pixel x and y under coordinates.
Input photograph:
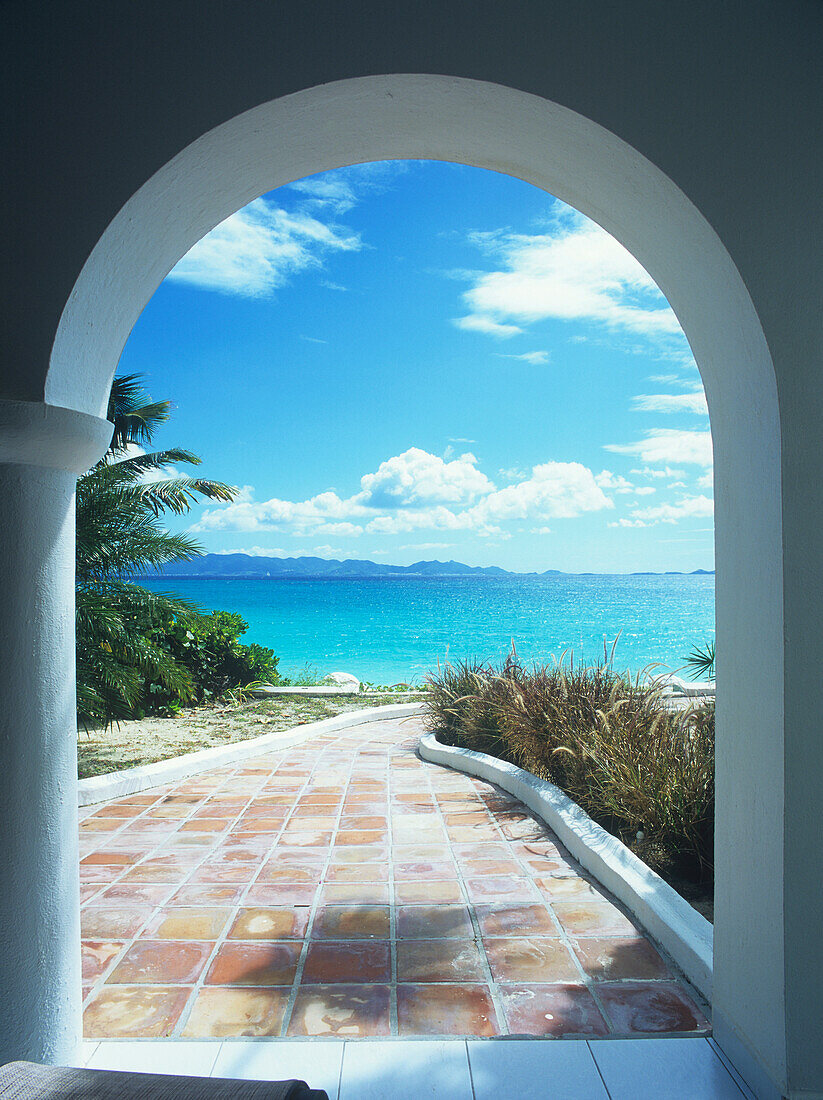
{"type": "Point", "coordinates": [560, 490]}
{"type": "Point", "coordinates": [329, 189]}
{"type": "Point", "coordinates": [575, 272]}
{"type": "Point", "coordinates": [318, 514]}
{"type": "Point", "coordinates": [513, 473]}
{"type": "Point", "coordinates": [616, 484]}
{"type": "Point", "coordinates": [486, 325]}
{"type": "Point", "coordinates": [258, 249]}
{"type": "Point", "coordinates": [420, 491]}
{"type": "Point", "coordinates": [685, 508]}
{"type": "Point", "coordinates": [671, 403]}
{"type": "Point", "coordinates": [541, 530]}
{"type": "Point", "coordinates": [417, 478]}
{"type": "Point", "coordinates": [664, 445]}
{"type": "Point", "coordinates": [629, 523]}
{"type": "Point", "coordinates": [645, 490]}
{"type": "Point", "coordinates": [649, 471]}
{"type": "Point", "coordinates": [705, 481]}
{"type": "Point", "coordinates": [533, 357]}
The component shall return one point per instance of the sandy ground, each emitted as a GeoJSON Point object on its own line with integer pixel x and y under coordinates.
{"type": "Point", "coordinates": [149, 739]}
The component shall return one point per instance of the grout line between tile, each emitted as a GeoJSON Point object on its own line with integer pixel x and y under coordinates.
{"type": "Point", "coordinates": [597, 1069]}
{"type": "Point", "coordinates": [471, 1071]}
{"type": "Point", "coordinates": [494, 992]}
{"type": "Point", "coordinates": [301, 961]}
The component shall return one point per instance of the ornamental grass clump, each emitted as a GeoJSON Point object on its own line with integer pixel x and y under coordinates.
{"type": "Point", "coordinates": [643, 770]}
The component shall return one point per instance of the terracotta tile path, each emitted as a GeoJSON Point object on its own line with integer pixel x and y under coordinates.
{"type": "Point", "coordinates": [346, 889]}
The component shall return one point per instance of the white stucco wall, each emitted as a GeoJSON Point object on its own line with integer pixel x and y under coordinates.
{"type": "Point", "coordinates": [691, 133]}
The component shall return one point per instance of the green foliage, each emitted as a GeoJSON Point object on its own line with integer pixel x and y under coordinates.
{"type": "Point", "coordinates": [207, 646]}
{"type": "Point", "coordinates": [643, 770]}
{"type": "Point", "coordinates": [701, 662]}
{"type": "Point", "coordinates": [125, 664]}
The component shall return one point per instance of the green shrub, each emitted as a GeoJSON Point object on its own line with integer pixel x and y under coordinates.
{"type": "Point", "coordinates": [207, 646]}
{"type": "Point", "coordinates": [643, 770]}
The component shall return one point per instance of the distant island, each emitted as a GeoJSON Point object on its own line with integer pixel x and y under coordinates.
{"type": "Point", "coordinates": [247, 565]}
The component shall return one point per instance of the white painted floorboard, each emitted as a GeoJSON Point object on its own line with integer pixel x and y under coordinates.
{"type": "Point", "coordinates": [374, 1071]}
{"type": "Point", "coordinates": [413, 1069]}
{"type": "Point", "coordinates": [663, 1069]}
{"type": "Point", "coordinates": [534, 1070]}
{"type": "Point", "coordinates": [262, 1061]}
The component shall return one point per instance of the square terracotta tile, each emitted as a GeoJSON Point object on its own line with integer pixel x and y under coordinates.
{"type": "Point", "coordinates": [515, 920]}
{"type": "Point", "coordinates": [97, 956]}
{"type": "Point", "coordinates": [258, 825]}
{"type": "Point", "coordinates": [651, 1008]}
{"type": "Point", "coordinates": [347, 837]}
{"type": "Point", "coordinates": [482, 851]}
{"type": "Point", "coordinates": [552, 1010]}
{"type": "Point", "coordinates": [112, 921]}
{"type": "Point", "coordinates": [349, 854]}
{"type": "Point", "coordinates": [102, 875]}
{"type": "Point", "coordinates": [114, 857]}
{"type": "Point", "coordinates": [421, 853]}
{"type": "Point", "coordinates": [231, 1013]}
{"type": "Point", "coordinates": [351, 922]}
{"type": "Point", "coordinates": [530, 959]}
{"type": "Point", "coordinates": [467, 817]}
{"type": "Point", "coordinates": [254, 964]}
{"type": "Point", "coordinates": [450, 960]}
{"type": "Point", "coordinates": [593, 918]}
{"type": "Point", "coordinates": [134, 1012]}
{"type": "Point", "coordinates": [274, 893]}
{"type": "Point", "coordinates": [510, 889]}
{"type": "Point", "coordinates": [152, 871]}
{"type": "Point", "coordinates": [426, 893]}
{"type": "Point", "coordinates": [205, 825]}
{"type": "Point", "coordinates": [472, 833]}
{"type": "Point", "coordinates": [426, 870]}
{"type": "Point", "coordinates": [206, 895]}
{"type": "Point", "coordinates": [341, 1011]}
{"type": "Point", "coordinates": [347, 962]}
{"type": "Point", "coordinates": [217, 872]}
{"type": "Point", "coordinates": [272, 923]}
{"type": "Point", "coordinates": [446, 1010]}
{"type": "Point", "coordinates": [289, 874]}
{"type": "Point", "coordinates": [364, 821]}
{"type": "Point", "coordinates": [427, 922]}
{"type": "Point", "coordinates": [567, 887]}
{"type": "Point", "coordinates": [142, 895]}
{"type": "Point", "coordinates": [616, 958]}
{"type": "Point", "coordinates": [479, 868]}
{"type": "Point", "coordinates": [305, 821]}
{"type": "Point", "coordinates": [362, 893]}
{"type": "Point", "coordinates": [308, 838]}
{"type": "Point", "coordinates": [160, 962]}
{"type": "Point", "coordinates": [198, 922]}
{"type": "Point", "coordinates": [370, 872]}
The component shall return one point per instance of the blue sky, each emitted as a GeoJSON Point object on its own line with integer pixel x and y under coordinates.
{"type": "Point", "coordinates": [415, 360]}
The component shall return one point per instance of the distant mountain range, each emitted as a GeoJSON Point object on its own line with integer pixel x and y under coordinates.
{"type": "Point", "coordinates": [246, 565]}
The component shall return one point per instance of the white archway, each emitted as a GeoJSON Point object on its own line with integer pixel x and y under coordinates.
{"type": "Point", "coordinates": [489, 126]}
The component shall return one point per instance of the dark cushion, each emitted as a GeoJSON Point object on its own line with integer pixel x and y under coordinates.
{"type": "Point", "coordinates": [29, 1081]}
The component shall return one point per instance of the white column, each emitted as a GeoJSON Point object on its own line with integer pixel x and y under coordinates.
{"type": "Point", "coordinates": [42, 450]}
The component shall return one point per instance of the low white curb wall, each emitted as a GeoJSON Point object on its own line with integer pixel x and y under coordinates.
{"type": "Point", "coordinates": [100, 788]}
{"type": "Point", "coordinates": [677, 927]}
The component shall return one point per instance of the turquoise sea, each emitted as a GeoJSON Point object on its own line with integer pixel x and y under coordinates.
{"type": "Point", "coordinates": [395, 629]}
